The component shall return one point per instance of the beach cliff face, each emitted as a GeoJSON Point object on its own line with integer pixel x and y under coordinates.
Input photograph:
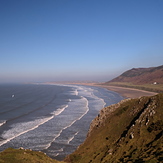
{"type": "Point", "coordinates": [130, 131]}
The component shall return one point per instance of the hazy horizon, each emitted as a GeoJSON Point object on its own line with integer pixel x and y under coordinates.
{"type": "Point", "coordinates": [60, 40]}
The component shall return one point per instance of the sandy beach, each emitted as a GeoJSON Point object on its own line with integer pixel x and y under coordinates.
{"type": "Point", "coordinates": [129, 92]}
{"type": "Point", "coordinates": [125, 92]}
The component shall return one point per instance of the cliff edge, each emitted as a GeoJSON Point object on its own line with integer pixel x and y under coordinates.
{"type": "Point", "coordinates": [130, 131]}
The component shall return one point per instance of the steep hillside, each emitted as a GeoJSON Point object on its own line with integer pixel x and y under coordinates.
{"type": "Point", "coordinates": [142, 76]}
{"type": "Point", "coordinates": [24, 156]}
{"type": "Point", "coordinates": [130, 131]}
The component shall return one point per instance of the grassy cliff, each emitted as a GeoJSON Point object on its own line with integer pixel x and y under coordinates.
{"type": "Point", "coordinates": [130, 131]}
{"type": "Point", "coordinates": [24, 156]}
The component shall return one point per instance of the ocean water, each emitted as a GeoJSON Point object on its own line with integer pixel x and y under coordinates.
{"type": "Point", "coordinates": [51, 118]}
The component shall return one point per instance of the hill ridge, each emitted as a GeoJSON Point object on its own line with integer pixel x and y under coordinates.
{"type": "Point", "coordinates": [141, 75]}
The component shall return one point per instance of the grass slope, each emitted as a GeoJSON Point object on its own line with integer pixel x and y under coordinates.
{"type": "Point", "coordinates": [141, 78]}
{"type": "Point", "coordinates": [131, 131]}
{"type": "Point", "coordinates": [24, 156]}
{"type": "Point", "coordinates": [142, 75]}
{"type": "Point", "coordinates": [147, 87]}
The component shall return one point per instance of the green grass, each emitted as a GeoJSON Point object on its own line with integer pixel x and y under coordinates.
{"type": "Point", "coordinates": [148, 87]}
{"type": "Point", "coordinates": [11, 155]}
{"type": "Point", "coordinates": [112, 142]}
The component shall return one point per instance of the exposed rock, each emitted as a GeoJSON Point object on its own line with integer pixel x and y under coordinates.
{"type": "Point", "coordinates": [103, 115]}
{"type": "Point", "coordinates": [131, 135]}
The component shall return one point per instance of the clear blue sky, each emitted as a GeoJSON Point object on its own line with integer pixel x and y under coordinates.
{"type": "Point", "coordinates": [54, 40]}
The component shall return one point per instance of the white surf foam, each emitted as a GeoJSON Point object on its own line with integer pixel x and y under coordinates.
{"type": "Point", "coordinates": [87, 109]}
{"type": "Point", "coordinates": [22, 128]}
{"type": "Point", "coordinates": [76, 92]}
{"type": "Point", "coordinates": [68, 142]}
{"type": "Point", "coordinates": [89, 93]}
{"type": "Point", "coordinates": [60, 110]}
{"type": "Point", "coordinates": [2, 123]}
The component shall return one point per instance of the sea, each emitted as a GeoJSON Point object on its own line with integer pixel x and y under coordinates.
{"type": "Point", "coordinates": [50, 118]}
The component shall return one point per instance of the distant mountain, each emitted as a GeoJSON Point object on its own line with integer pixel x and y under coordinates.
{"type": "Point", "coordinates": [141, 76]}
{"type": "Point", "coordinates": [130, 131]}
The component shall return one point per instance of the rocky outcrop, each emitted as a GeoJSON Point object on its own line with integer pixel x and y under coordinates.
{"type": "Point", "coordinates": [25, 156]}
{"type": "Point", "coordinates": [104, 114]}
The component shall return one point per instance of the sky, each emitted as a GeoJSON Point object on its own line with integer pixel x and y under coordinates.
{"type": "Point", "coordinates": [78, 40]}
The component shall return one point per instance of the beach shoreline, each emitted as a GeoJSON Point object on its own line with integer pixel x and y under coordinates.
{"type": "Point", "coordinates": [129, 92]}
{"type": "Point", "coordinates": [123, 91]}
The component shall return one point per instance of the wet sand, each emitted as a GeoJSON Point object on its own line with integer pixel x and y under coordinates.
{"type": "Point", "coordinates": [129, 92]}
{"type": "Point", "coordinates": [125, 92]}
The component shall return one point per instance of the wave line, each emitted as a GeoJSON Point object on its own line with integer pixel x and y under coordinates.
{"type": "Point", "coordinates": [46, 120]}
{"type": "Point", "coordinates": [68, 142]}
{"type": "Point", "coordinates": [68, 125]}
